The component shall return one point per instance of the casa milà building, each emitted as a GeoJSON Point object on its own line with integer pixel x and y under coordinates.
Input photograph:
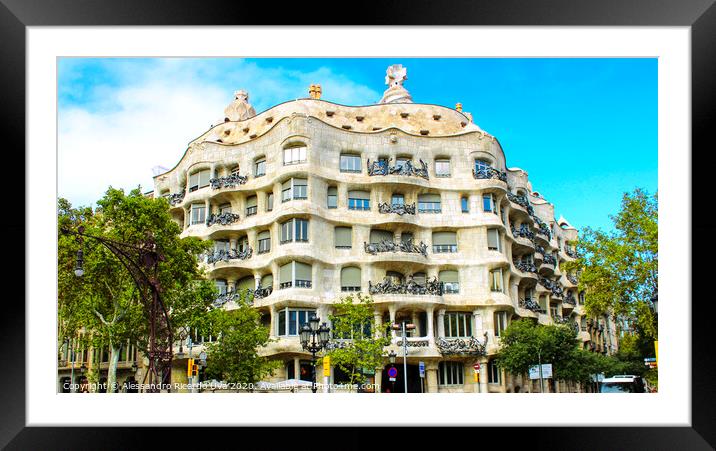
{"type": "Point", "coordinates": [411, 203]}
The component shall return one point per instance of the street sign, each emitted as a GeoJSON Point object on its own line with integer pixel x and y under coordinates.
{"type": "Point", "coordinates": [392, 373]}
{"type": "Point", "coordinates": [421, 366]}
{"type": "Point", "coordinates": [650, 359]}
{"type": "Point", "coordinates": [546, 371]}
{"type": "Point", "coordinates": [476, 367]}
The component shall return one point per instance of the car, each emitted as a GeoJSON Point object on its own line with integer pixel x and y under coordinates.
{"type": "Point", "coordinates": [623, 383]}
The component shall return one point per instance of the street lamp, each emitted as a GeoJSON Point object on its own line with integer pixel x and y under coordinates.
{"type": "Point", "coordinates": [403, 327]}
{"type": "Point", "coordinates": [79, 270]}
{"type": "Point", "coordinates": [314, 339]}
{"type": "Point", "coordinates": [392, 355]}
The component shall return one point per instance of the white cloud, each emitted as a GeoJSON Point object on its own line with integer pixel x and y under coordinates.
{"type": "Point", "coordinates": [122, 132]}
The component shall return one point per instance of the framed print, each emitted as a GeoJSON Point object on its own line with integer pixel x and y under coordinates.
{"type": "Point", "coordinates": [352, 170]}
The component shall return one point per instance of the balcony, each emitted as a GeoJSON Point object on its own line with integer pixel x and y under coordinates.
{"type": "Point", "coordinates": [388, 286]}
{"type": "Point", "coordinates": [298, 284]}
{"type": "Point", "coordinates": [531, 305]}
{"type": "Point", "coordinates": [176, 198]}
{"type": "Point", "coordinates": [569, 299]}
{"type": "Point", "coordinates": [225, 218]}
{"type": "Point", "coordinates": [230, 181]}
{"type": "Point", "coordinates": [404, 246]}
{"type": "Point", "coordinates": [549, 259]}
{"type": "Point", "coordinates": [398, 209]}
{"type": "Point", "coordinates": [572, 279]}
{"type": "Point", "coordinates": [489, 173]}
{"type": "Point", "coordinates": [381, 167]}
{"type": "Point", "coordinates": [519, 200]}
{"type": "Point", "coordinates": [551, 285]}
{"type": "Point", "coordinates": [469, 346]}
{"type": "Point", "coordinates": [526, 266]}
{"type": "Point", "coordinates": [570, 252]}
{"type": "Point", "coordinates": [231, 254]}
{"type": "Point", "coordinates": [523, 232]}
{"type": "Point", "coordinates": [234, 296]}
{"type": "Point", "coordinates": [412, 342]}
{"type": "Point", "coordinates": [542, 228]}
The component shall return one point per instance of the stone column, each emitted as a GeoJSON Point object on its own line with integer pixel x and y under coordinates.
{"type": "Point", "coordinates": [272, 332]}
{"type": "Point", "coordinates": [378, 318]}
{"type": "Point", "coordinates": [187, 217]}
{"type": "Point", "coordinates": [296, 368]}
{"type": "Point", "coordinates": [431, 380]}
{"type": "Point", "coordinates": [230, 284]}
{"type": "Point", "coordinates": [391, 310]}
{"type": "Point", "coordinates": [441, 323]}
{"type": "Point", "coordinates": [477, 327]}
{"type": "Point", "coordinates": [414, 320]}
{"type": "Point", "coordinates": [378, 379]}
{"type": "Point", "coordinates": [257, 280]}
{"type": "Point", "coordinates": [431, 327]}
{"type": "Point", "coordinates": [483, 375]}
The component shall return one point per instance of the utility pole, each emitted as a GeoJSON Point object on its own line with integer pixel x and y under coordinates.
{"type": "Point", "coordinates": [541, 380]}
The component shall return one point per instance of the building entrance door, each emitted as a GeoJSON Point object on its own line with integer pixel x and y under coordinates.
{"type": "Point", "coordinates": [387, 386]}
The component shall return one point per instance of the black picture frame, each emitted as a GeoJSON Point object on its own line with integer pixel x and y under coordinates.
{"type": "Point", "coordinates": [700, 15]}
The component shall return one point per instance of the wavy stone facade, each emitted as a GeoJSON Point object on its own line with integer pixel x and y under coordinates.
{"type": "Point", "coordinates": [460, 250]}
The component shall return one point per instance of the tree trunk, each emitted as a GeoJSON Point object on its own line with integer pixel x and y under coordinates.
{"type": "Point", "coordinates": [112, 370]}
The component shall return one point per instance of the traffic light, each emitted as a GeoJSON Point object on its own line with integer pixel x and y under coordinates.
{"type": "Point", "coordinates": [190, 367]}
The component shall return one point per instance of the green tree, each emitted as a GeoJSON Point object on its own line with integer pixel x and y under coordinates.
{"type": "Point", "coordinates": [619, 270]}
{"type": "Point", "coordinates": [354, 320]}
{"type": "Point", "coordinates": [104, 303]}
{"type": "Point", "coordinates": [235, 356]}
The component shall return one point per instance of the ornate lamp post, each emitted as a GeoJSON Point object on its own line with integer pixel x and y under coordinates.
{"type": "Point", "coordinates": [141, 261]}
{"type": "Point", "coordinates": [314, 339]}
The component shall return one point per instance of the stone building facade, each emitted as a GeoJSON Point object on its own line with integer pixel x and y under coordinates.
{"type": "Point", "coordinates": [411, 203]}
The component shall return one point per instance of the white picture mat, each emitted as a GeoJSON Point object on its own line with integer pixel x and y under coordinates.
{"type": "Point", "coordinates": [671, 406]}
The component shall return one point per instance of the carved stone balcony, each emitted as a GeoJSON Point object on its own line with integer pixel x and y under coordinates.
{"type": "Point", "coordinates": [489, 173]}
{"type": "Point", "coordinates": [531, 305]}
{"type": "Point", "coordinates": [398, 209]}
{"type": "Point", "coordinates": [410, 286]}
{"type": "Point", "coordinates": [175, 198]}
{"type": "Point", "coordinates": [228, 181]}
{"type": "Point", "coordinates": [462, 346]}
{"type": "Point", "coordinates": [551, 285]}
{"type": "Point", "coordinates": [412, 342]}
{"type": "Point", "coordinates": [382, 167]}
{"type": "Point", "coordinates": [231, 254]}
{"type": "Point", "coordinates": [404, 246]}
{"type": "Point", "coordinates": [222, 219]}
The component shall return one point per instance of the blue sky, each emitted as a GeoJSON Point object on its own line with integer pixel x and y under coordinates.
{"type": "Point", "coordinates": [584, 129]}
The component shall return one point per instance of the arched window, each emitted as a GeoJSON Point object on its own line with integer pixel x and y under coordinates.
{"type": "Point", "coordinates": [350, 279]}
{"type": "Point", "coordinates": [295, 154]}
{"type": "Point", "coordinates": [199, 179]}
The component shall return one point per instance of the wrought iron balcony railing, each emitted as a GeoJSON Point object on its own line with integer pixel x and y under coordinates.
{"type": "Point", "coordinates": [410, 286]}
{"type": "Point", "coordinates": [175, 198]}
{"type": "Point", "coordinates": [519, 200]}
{"type": "Point", "coordinates": [399, 209]}
{"type": "Point", "coordinates": [461, 346]}
{"type": "Point", "coordinates": [228, 181]}
{"type": "Point", "coordinates": [489, 173]}
{"type": "Point", "coordinates": [225, 218]}
{"type": "Point", "coordinates": [529, 304]}
{"type": "Point", "coordinates": [523, 232]}
{"type": "Point", "coordinates": [231, 254]}
{"type": "Point", "coordinates": [234, 296]}
{"type": "Point", "coordinates": [553, 286]}
{"type": "Point", "coordinates": [569, 299]}
{"type": "Point", "coordinates": [526, 266]}
{"type": "Point", "coordinates": [542, 228]}
{"type": "Point", "coordinates": [570, 252]}
{"type": "Point", "coordinates": [382, 167]}
{"type": "Point", "coordinates": [407, 246]}
{"type": "Point", "coordinates": [572, 278]}
{"type": "Point", "coordinates": [550, 260]}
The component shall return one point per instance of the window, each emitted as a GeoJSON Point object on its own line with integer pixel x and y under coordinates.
{"type": "Point", "coordinates": [235, 170]}
{"type": "Point", "coordinates": [267, 281]}
{"type": "Point", "coordinates": [294, 230]}
{"type": "Point", "coordinates": [260, 167]}
{"type": "Point", "coordinates": [251, 208]}
{"type": "Point", "coordinates": [397, 199]}
{"type": "Point", "coordinates": [450, 281]}
{"type": "Point", "coordinates": [400, 162]}
{"type": "Point", "coordinates": [442, 168]}
{"type": "Point", "coordinates": [350, 279]}
{"type": "Point", "coordinates": [294, 155]}
{"type": "Point", "coordinates": [225, 208]}
{"type": "Point", "coordinates": [429, 203]}
{"type": "Point", "coordinates": [332, 196]}
{"type": "Point", "coordinates": [493, 373]}
{"type": "Point", "coordinates": [198, 213]}
{"type": "Point", "coordinates": [458, 324]}
{"type": "Point", "coordinates": [444, 242]}
{"type": "Point", "coordinates": [489, 204]}
{"type": "Point", "coordinates": [294, 189]}
{"type": "Point", "coordinates": [580, 298]}
{"type": "Point", "coordinates": [358, 200]}
{"type": "Point", "coordinates": [264, 239]}
{"type": "Point", "coordinates": [350, 163]}
{"type": "Point", "coordinates": [378, 236]}
{"type": "Point", "coordinates": [464, 205]}
{"type": "Point", "coordinates": [358, 330]}
{"type": "Point", "coordinates": [245, 283]}
{"type": "Point", "coordinates": [419, 278]}
{"type": "Point", "coordinates": [269, 202]}
{"type": "Point", "coordinates": [496, 280]}
{"type": "Point", "coordinates": [553, 311]}
{"type": "Point", "coordinates": [243, 243]}
{"type": "Point", "coordinates": [493, 240]}
{"type": "Point", "coordinates": [343, 237]}
{"type": "Point", "coordinates": [451, 373]}
{"type": "Point", "coordinates": [199, 180]}
{"type": "Point", "coordinates": [295, 274]}
{"type": "Point", "coordinates": [221, 286]}
{"type": "Point", "coordinates": [500, 322]}
{"type": "Point", "coordinates": [290, 320]}
{"type": "Point", "coordinates": [482, 166]}
{"type": "Point", "coordinates": [406, 237]}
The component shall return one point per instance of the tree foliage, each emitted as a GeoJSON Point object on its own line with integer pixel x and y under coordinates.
{"type": "Point", "coordinates": [619, 270]}
{"type": "Point", "coordinates": [235, 356]}
{"type": "Point", "coordinates": [354, 320]}
{"type": "Point", "coordinates": [105, 303]}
